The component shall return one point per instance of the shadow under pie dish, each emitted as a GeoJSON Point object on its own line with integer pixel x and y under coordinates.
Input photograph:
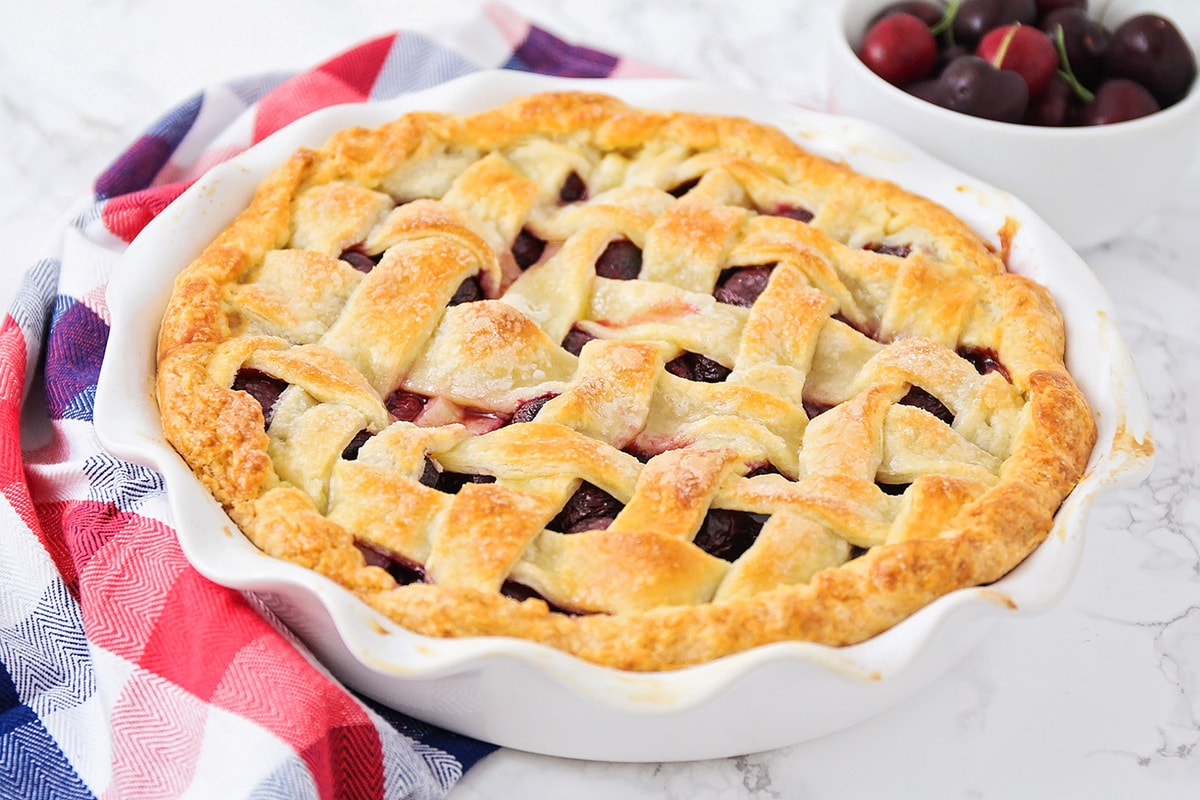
{"type": "Point", "coordinates": [652, 388]}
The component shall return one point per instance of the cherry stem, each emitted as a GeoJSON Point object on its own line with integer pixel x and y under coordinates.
{"type": "Point", "coordinates": [946, 23]}
{"type": "Point", "coordinates": [1066, 73]}
{"type": "Point", "coordinates": [1002, 50]}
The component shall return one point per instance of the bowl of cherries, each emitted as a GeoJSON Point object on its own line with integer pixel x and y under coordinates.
{"type": "Point", "coordinates": [1088, 112]}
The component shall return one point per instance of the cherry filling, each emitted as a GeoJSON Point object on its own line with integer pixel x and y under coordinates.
{"type": "Point", "coordinates": [452, 482]}
{"type": "Point", "coordinates": [813, 409]}
{"type": "Point", "coordinates": [529, 409]}
{"type": "Point", "coordinates": [620, 261]}
{"type": "Point", "coordinates": [680, 189]}
{"type": "Point", "coordinates": [573, 189]}
{"type": "Point", "coordinates": [697, 367]}
{"type": "Point", "coordinates": [727, 534]}
{"type": "Point", "coordinates": [742, 286]}
{"type": "Point", "coordinates": [468, 292]}
{"type": "Point", "coordinates": [926, 402]}
{"type": "Point", "coordinates": [405, 405]}
{"type": "Point", "coordinates": [590, 508]}
{"type": "Point", "coordinates": [984, 360]}
{"type": "Point", "coordinates": [575, 339]}
{"type": "Point", "coordinates": [897, 250]}
{"type": "Point", "coordinates": [792, 212]}
{"type": "Point", "coordinates": [521, 592]}
{"type": "Point", "coordinates": [358, 259]}
{"type": "Point", "coordinates": [351, 451]}
{"type": "Point", "coordinates": [262, 387]}
{"type": "Point", "coordinates": [527, 249]}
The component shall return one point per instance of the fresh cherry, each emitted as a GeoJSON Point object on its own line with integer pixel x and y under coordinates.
{"type": "Point", "coordinates": [899, 48]}
{"type": "Point", "coordinates": [1118, 100]}
{"type": "Point", "coordinates": [1023, 50]}
{"type": "Point", "coordinates": [1085, 41]}
{"type": "Point", "coordinates": [1054, 106]}
{"type": "Point", "coordinates": [1149, 49]}
{"type": "Point", "coordinates": [972, 86]}
{"type": "Point", "coordinates": [927, 12]}
{"type": "Point", "coordinates": [977, 17]}
{"type": "Point", "coordinates": [1045, 7]}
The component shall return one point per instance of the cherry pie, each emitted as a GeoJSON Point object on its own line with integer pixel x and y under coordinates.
{"type": "Point", "coordinates": [648, 387]}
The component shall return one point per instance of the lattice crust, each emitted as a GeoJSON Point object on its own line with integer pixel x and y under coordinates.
{"type": "Point", "coordinates": [680, 384]}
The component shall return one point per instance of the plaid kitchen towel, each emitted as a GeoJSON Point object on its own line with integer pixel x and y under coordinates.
{"type": "Point", "coordinates": [123, 672]}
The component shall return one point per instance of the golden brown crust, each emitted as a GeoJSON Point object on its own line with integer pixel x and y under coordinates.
{"type": "Point", "coordinates": [880, 293]}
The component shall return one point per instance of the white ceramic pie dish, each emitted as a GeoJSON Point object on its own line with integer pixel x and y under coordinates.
{"type": "Point", "coordinates": [527, 696]}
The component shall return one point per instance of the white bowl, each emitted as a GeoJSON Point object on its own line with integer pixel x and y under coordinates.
{"type": "Point", "coordinates": [528, 696]}
{"type": "Point", "coordinates": [1091, 184]}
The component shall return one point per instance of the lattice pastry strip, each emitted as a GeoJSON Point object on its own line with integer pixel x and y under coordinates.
{"type": "Point", "coordinates": [691, 387]}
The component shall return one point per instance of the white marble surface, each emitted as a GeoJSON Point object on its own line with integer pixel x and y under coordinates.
{"type": "Point", "coordinates": [1099, 697]}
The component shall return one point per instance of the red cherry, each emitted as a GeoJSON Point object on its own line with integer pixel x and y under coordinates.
{"type": "Point", "coordinates": [1045, 7]}
{"type": "Point", "coordinates": [899, 48]}
{"type": "Point", "coordinates": [1022, 49]}
{"type": "Point", "coordinates": [1118, 100]}
{"type": "Point", "coordinates": [1149, 49]}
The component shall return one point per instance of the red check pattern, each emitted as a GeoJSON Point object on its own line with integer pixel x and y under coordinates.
{"type": "Point", "coordinates": [123, 672]}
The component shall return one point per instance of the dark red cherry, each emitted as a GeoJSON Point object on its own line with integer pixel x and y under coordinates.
{"type": "Point", "coordinates": [1045, 7]}
{"type": "Point", "coordinates": [928, 90]}
{"type": "Point", "coordinates": [727, 534]}
{"type": "Point", "coordinates": [792, 212]}
{"type": "Point", "coordinates": [453, 482]}
{"type": "Point", "coordinates": [985, 360]}
{"type": "Point", "coordinates": [529, 409]}
{"type": "Point", "coordinates": [897, 250]}
{"type": "Point", "coordinates": [1084, 39]}
{"type": "Point", "coordinates": [697, 367]}
{"type": "Point", "coordinates": [972, 86]}
{"type": "Point", "coordinates": [573, 189]}
{"type": "Point", "coordinates": [1149, 49]}
{"type": "Point", "coordinates": [527, 249]}
{"type": "Point", "coordinates": [468, 292]}
{"type": "Point", "coordinates": [621, 260]}
{"type": "Point", "coordinates": [977, 17]}
{"type": "Point", "coordinates": [1054, 107]}
{"type": "Point", "coordinates": [358, 259]}
{"type": "Point", "coordinates": [1118, 100]}
{"type": "Point", "coordinates": [899, 48]}
{"type": "Point", "coordinates": [590, 508]}
{"type": "Point", "coordinates": [350, 452]}
{"type": "Point", "coordinates": [262, 387]}
{"type": "Point", "coordinates": [575, 339]}
{"type": "Point", "coordinates": [405, 405]}
{"type": "Point", "coordinates": [923, 400]}
{"type": "Point", "coordinates": [929, 13]}
{"type": "Point", "coordinates": [741, 287]}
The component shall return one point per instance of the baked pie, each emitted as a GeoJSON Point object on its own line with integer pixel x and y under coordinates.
{"type": "Point", "coordinates": [648, 387]}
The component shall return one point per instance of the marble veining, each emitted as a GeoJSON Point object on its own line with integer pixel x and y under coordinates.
{"type": "Point", "coordinates": [1097, 697]}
